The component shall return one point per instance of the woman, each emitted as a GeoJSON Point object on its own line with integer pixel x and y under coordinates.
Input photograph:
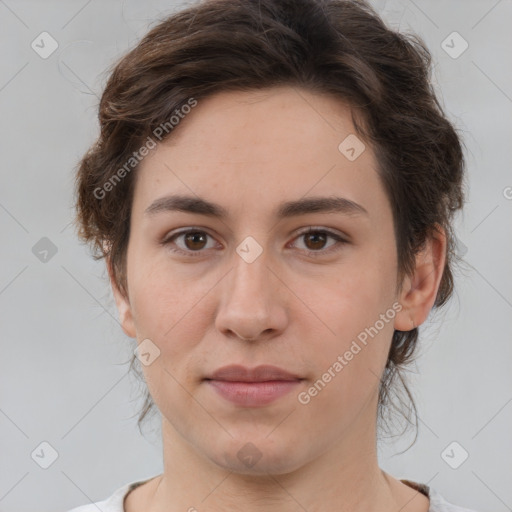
{"type": "Point", "coordinates": [273, 190]}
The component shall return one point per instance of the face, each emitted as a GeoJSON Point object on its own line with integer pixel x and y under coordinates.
{"type": "Point", "coordinates": [268, 283]}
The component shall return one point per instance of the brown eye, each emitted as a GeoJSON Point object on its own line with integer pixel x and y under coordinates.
{"type": "Point", "coordinates": [315, 240]}
{"type": "Point", "coordinates": [195, 240]}
{"type": "Point", "coordinates": [192, 242]}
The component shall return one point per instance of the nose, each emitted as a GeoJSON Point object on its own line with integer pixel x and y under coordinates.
{"type": "Point", "coordinates": [252, 304]}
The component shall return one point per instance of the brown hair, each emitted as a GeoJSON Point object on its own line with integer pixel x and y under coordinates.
{"type": "Point", "coordinates": [336, 47]}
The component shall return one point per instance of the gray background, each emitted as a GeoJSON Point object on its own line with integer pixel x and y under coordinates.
{"type": "Point", "coordinates": [64, 357]}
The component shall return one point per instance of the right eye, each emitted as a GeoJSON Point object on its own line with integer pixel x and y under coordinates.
{"type": "Point", "coordinates": [193, 242]}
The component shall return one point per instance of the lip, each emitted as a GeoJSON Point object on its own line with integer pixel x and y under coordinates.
{"type": "Point", "coordinates": [262, 373]}
{"type": "Point", "coordinates": [252, 387]}
{"type": "Point", "coordinates": [253, 394]}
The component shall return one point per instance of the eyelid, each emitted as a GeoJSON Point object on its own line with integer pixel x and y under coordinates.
{"type": "Point", "coordinates": [323, 229]}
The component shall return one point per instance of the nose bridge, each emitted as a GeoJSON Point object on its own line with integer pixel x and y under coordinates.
{"type": "Point", "coordinates": [249, 282]}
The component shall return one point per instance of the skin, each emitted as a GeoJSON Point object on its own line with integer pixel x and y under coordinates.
{"type": "Point", "coordinates": [249, 151]}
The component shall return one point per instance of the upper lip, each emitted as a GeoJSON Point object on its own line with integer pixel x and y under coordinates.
{"type": "Point", "coordinates": [262, 373]}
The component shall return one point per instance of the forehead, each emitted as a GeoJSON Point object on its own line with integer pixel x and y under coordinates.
{"type": "Point", "coordinates": [259, 148]}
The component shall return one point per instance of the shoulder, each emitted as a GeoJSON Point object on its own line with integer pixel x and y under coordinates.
{"type": "Point", "coordinates": [439, 504]}
{"type": "Point", "coordinates": [92, 507]}
{"type": "Point", "coordinates": [114, 503]}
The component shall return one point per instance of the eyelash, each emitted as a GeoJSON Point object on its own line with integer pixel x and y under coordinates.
{"type": "Point", "coordinates": [321, 252]}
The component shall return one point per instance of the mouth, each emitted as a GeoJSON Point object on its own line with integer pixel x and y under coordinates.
{"type": "Point", "coordinates": [252, 387]}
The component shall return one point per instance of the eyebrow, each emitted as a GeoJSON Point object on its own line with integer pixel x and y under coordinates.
{"type": "Point", "coordinates": [197, 205]}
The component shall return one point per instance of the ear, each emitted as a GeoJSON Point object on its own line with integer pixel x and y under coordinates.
{"type": "Point", "coordinates": [419, 291]}
{"type": "Point", "coordinates": [123, 305]}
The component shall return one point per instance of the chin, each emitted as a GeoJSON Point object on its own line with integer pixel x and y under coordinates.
{"type": "Point", "coordinates": [251, 456]}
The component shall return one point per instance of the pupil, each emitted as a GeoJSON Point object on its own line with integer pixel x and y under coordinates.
{"type": "Point", "coordinates": [317, 235]}
{"type": "Point", "coordinates": [193, 237]}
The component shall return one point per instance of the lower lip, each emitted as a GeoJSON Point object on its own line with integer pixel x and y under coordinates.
{"type": "Point", "coordinates": [253, 394]}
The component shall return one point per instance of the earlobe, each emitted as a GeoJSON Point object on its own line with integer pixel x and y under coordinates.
{"type": "Point", "coordinates": [419, 291]}
{"type": "Point", "coordinates": [123, 306]}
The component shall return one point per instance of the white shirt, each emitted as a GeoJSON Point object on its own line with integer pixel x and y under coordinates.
{"type": "Point", "coordinates": [116, 501]}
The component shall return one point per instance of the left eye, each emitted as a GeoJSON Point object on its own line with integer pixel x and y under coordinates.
{"type": "Point", "coordinates": [318, 237]}
{"type": "Point", "coordinates": [194, 240]}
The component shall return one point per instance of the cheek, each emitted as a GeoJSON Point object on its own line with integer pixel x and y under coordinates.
{"type": "Point", "coordinates": [351, 299]}
{"type": "Point", "coordinates": [172, 309]}
{"type": "Point", "coordinates": [169, 311]}
{"type": "Point", "coordinates": [348, 365]}
{"type": "Point", "coordinates": [160, 296]}
{"type": "Point", "coordinates": [352, 327]}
